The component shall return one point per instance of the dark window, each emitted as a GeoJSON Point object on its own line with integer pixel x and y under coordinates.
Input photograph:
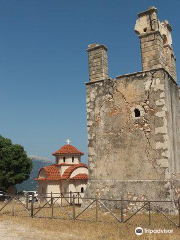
{"type": "Point", "coordinates": [145, 29]}
{"type": "Point", "coordinates": [72, 159]}
{"type": "Point", "coordinates": [64, 159]}
{"type": "Point", "coordinates": [82, 190]}
{"type": "Point", "coordinates": [137, 112]}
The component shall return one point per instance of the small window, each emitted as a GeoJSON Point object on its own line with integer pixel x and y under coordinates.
{"type": "Point", "coordinates": [145, 29]}
{"type": "Point", "coordinates": [64, 159]}
{"type": "Point", "coordinates": [72, 159]}
{"type": "Point", "coordinates": [82, 190]}
{"type": "Point", "coordinates": [137, 113]}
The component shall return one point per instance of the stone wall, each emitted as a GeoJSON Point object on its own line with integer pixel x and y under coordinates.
{"type": "Point", "coordinates": [152, 53]}
{"type": "Point", "coordinates": [133, 121]}
{"type": "Point", "coordinates": [98, 64]}
{"type": "Point", "coordinates": [156, 42]}
{"type": "Point", "coordinates": [129, 153]}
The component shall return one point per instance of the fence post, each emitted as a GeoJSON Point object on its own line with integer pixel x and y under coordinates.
{"type": "Point", "coordinates": [27, 200]}
{"type": "Point", "coordinates": [32, 205]}
{"type": "Point", "coordinates": [96, 209]}
{"type": "Point", "coordinates": [70, 200]}
{"type": "Point", "coordinates": [12, 207]}
{"type": "Point", "coordinates": [179, 210]}
{"type": "Point", "coordinates": [39, 200]}
{"type": "Point", "coordinates": [74, 214]}
{"type": "Point", "coordinates": [61, 199]}
{"type": "Point", "coordinates": [78, 198]}
{"type": "Point", "coordinates": [149, 209]}
{"type": "Point", "coordinates": [52, 209]}
{"type": "Point", "coordinates": [122, 213]}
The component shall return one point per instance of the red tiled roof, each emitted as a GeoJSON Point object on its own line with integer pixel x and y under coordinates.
{"type": "Point", "coordinates": [80, 176]}
{"type": "Point", "coordinates": [68, 149]}
{"type": "Point", "coordinates": [69, 170]}
{"type": "Point", "coordinates": [53, 173]}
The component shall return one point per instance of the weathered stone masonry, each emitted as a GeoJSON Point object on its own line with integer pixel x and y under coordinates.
{"type": "Point", "coordinates": [133, 121]}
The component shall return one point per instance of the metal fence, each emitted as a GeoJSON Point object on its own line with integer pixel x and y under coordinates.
{"type": "Point", "coordinates": [68, 206]}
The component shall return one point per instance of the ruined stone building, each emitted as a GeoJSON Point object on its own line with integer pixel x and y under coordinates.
{"type": "Point", "coordinates": [133, 121]}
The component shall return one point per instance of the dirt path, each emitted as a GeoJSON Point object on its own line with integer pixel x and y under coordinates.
{"type": "Point", "coordinates": [13, 231]}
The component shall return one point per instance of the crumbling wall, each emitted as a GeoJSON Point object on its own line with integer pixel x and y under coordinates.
{"type": "Point", "coordinates": [173, 122]}
{"type": "Point", "coordinates": [126, 153]}
{"type": "Point", "coordinates": [133, 121]}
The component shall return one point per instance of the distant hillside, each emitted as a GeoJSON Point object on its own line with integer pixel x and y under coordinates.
{"type": "Point", "coordinates": [38, 163]}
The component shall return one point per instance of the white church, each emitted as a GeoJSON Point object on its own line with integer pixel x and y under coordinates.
{"type": "Point", "coordinates": [68, 175]}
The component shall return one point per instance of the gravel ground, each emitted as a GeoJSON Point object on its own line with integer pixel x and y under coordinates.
{"type": "Point", "coordinates": [13, 231]}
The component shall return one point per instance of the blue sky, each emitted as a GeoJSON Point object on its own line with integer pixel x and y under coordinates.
{"type": "Point", "coordinates": [44, 65]}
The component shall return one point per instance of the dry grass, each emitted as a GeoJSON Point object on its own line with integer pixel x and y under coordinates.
{"type": "Point", "coordinates": [86, 228]}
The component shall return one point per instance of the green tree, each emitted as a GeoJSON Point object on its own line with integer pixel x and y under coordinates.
{"type": "Point", "coordinates": [15, 166]}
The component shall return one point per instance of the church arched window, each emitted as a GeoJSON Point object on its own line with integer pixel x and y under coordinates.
{"type": "Point", "coordinates": [82, 190]}
{"type": "Point", "coordinates": [64, 159]}
{"type": "Point", "coordinates": [72, 159]}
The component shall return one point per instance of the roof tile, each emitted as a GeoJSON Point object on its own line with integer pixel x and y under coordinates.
{"type": "Point", "coordinates": [69, 170]}
{"type": "Point", "coordinates": [53, 173]}
{"type": "Point", "coordinates": [68, 149]}
{"type": "Point", "coordinates": [80, 176]}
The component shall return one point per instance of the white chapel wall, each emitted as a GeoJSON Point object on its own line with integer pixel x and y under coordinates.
{"type": "Point", "coordinates": [68, 159]}
{"type": "Point", "coordinates": [79, 170]}
{"type": "Point", "coordinates": [42, 173]}
{"type": "Point", "coordinates": [53, 186]}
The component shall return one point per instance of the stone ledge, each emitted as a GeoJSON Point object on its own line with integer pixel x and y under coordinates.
{"type": "Point", "coordinates": [134, 74]}
{"type": "Point", "coordinates": [96, 47]}
{"type": "Point", "coordinates": [141, 72]}
{"type": "Point", "coordinates": [114, 180]}
{"type": "Point", "coordinates": [150, 10]}
{"type": "Point", "coordinates": [101, 80]}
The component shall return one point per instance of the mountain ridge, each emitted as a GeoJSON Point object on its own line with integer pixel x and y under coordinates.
{"type": "Point", "coordinates": [40, 158]}
{"type": "Point", "coordinates": [38, 162]}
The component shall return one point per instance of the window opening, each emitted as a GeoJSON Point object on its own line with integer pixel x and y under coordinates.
{"type": "Point", "coordinates": [137, 112]}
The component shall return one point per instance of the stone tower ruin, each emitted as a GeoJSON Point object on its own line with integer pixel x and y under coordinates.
{"type": "Point", "coordinates": [133, 121]}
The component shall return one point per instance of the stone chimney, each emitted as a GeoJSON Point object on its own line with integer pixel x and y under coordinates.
{"type": "Point", "coordinates": [169, 56]}
{"type": "Point", "coordinates": [98, 65]}
{"type": "Point", "coordinates": [156, 42]}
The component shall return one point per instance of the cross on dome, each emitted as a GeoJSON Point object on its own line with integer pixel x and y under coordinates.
{"type": "Point", "coordinates": [68, 141]}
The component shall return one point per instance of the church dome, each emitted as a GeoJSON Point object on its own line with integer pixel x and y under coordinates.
{"type": "Point", "coordinates": [68, 149]}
